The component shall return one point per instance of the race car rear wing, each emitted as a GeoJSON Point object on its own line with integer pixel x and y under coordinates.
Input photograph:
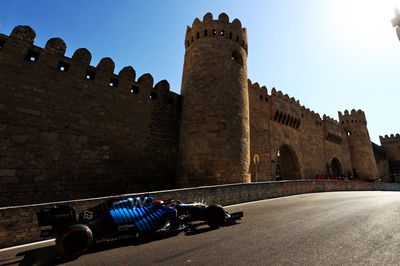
{"type": "Point", "coordinates": [58, 218]}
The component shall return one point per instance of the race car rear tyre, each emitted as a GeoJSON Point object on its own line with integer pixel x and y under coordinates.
{"type": "Point", "coordinates": [215, 216]}
{"type": "Point", "coordinates": [75, 241]}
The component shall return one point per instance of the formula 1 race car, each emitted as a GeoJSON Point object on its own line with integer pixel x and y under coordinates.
{"type": "Point", "coordinates": [124, 218]}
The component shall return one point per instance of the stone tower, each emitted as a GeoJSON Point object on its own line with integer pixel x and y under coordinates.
{"type": "Point", "coordinates": [392, 146]}
{"type": "Point", "coordinates": [361, 152]}
{"type": "Point", "coordinates": [214, 145]}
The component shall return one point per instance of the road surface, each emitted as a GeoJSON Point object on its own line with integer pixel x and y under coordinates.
{"type": "Point", "coordinates": [335, 228]}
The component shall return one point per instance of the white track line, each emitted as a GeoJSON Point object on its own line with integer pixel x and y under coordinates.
{"type": "Point", "coordinates": [255, 201]}
{"type": "Point", "coordinates": [27, 245]}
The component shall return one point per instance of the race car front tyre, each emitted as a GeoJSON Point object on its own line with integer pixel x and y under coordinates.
{"type": "Point", "coordinates": [215, 216]}
{"type": "Point", "coordinates": [75, 241]}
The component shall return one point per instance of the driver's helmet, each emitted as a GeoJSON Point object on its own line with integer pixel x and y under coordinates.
{"type": "Point", "coordinates": [147, 201]}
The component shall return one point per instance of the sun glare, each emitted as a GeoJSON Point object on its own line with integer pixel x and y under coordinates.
{"type": "Point", "coordinates": [364, 23]}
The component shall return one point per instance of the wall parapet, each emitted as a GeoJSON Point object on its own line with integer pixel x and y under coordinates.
{"type": "Point", "coordinates": [18, 224]}
{"type": "Point", "coordinates": [352, 118]}
{"type": "Point", "coordinates": [392, 139]}
{"type": "Point", "coordinates": [53, 56]}
{"type": "Point", "coordinates": [221, 27]}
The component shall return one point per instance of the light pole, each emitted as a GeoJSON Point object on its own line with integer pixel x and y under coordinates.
{"type": "Point", "coordinates": [396, 22]}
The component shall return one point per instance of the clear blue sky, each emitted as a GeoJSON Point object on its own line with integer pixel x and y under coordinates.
{"type": "Point", "coordinates": [331, 55]}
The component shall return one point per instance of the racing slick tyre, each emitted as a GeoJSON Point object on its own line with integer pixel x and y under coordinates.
{"type": "Point", "coordinates": [75, 241]}
{"type": "Point", "coordinates": [215, 216]}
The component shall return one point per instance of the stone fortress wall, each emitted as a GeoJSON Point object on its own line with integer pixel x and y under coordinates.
{"type": "Point", "coordinates": [69, 130]}
{"type": "Point", "coordinates": [392, 146]}
{"type": "Point", "coordinates": [279, 122]}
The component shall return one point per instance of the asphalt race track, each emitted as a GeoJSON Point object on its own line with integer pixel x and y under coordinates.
{"type": "Point", "coordinates": [336, 228]}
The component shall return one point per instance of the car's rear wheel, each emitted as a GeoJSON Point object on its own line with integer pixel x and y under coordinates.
{"type": "Point", "coordinates": [75, 241]}
{"type": "Point", "coordinates": [215, 216]}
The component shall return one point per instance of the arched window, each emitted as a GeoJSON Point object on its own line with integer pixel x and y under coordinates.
{"type": "Point", "coordinates": [237, 57]}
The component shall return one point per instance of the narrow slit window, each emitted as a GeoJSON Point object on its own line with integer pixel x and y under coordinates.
{"type": "Point", "coordinates": [63, 66]}
{"type": "Point", "coordinates": [90, 75]}
{"type": "Point", "coordinates": [214, 32]}
{"type": "Point", "coordinates": [135, 89]}
{"type": "Point", "coordinates": [197, 35]}
{"type": "Point", "coordinates": [237, 38]}
{"type": "Point", "coordinates": [113, 83]}
{"type": "Point", "coordinates": [291, 122]}
{"type": "Point", "coordinates": [32, 56]}
{"type": "Point", "coordinates": [280, 117]}
{"type": "Point", "coordinates": [153, 95]}
{"type": "Point", "coordinates": [230, 35]}
{"type": "Point", "coordinates": [276, 115]}
{"type": "Point", "coordinates": [187, 43]}
{"type": "Point", "coordinates": [287, 120]}
{"type": "Point", "coordinates": [222, 33]}
{"type": "Point", "coordinates": [296, 120]}
{"type": "Point", "coordinates": [205, 33]}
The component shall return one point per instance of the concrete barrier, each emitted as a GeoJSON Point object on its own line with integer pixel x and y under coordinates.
{"type": "Point", "coordinates": [18, 225]}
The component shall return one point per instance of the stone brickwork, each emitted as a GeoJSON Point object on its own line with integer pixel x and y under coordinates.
{"type": "Point", "coordinates": [360, 147]}
{"type": "Point", "coordinates": [392, 146]}
{"type": "Point", "coordinates": [382, 163]}
{"type": "Point", "coordinates": [18, 225]}
{"type": "Point", "coordinates": [278, 121]}
{"type": "Point", "coordinates": [214, 142]}
{"type": "Point", "coordinates": [69, 130]}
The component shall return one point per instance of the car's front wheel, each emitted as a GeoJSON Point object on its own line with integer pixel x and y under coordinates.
{"type": "Point", "coordinates": [75, 241]}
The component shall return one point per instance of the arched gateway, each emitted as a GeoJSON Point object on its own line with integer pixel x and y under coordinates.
{"type": "Point", "coordinates": [336, 167]}
{"type": "Point", "coordinates": [287, 165]}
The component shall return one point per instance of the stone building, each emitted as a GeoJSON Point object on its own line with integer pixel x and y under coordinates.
{"type": "Point", "coordinates": [71, 130]}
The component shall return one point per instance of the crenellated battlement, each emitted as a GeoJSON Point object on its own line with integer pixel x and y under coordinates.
{"type": "Point", "coordinates": [219, 28]}
{"type": "Point", "coordinates": [261, 91]}
{"type": "Point", "coordinates": [284, 97]}
{"type": "Point", "coordinates": [20, 46]}
{"type": "Point", "coordinates": [330, 120]}
{"type": "Point", "coordinates": [311, 115]}
{"type": "Point", "coordinates": [352, 118]}
{"type": "Point", "coordinates": [392, 139]}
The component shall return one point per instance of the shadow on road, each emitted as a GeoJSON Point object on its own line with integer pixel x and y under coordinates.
{"type": "Point", "coordinates": [49, 255]}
